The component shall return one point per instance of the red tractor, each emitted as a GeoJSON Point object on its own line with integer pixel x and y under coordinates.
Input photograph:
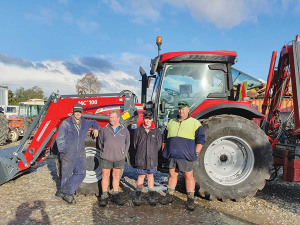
{"type": "Point", "coordinates": [237, 157]}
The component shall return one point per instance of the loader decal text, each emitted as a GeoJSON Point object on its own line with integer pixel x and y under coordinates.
{"type": "Point", "coordinates": [43, 131]}
{"type": "Point", "coordinates": [91, 102]}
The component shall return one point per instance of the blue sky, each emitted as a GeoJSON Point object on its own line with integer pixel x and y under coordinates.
{"type": "Point", "coordinates": [53, 43]}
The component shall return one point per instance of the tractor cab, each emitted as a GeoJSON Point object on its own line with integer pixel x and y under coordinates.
{"type": "Point", "coordinates": [31, 108]}
{"type": "Point", "coordinates": [194, 77]}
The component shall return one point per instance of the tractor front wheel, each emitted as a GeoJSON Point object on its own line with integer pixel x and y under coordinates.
{"type": "Point", "coordinates": [13, 135]}
{"type": "Point", "coordinates": [92, 181]}
{"type": "Point", "coordinates": [235, 160]}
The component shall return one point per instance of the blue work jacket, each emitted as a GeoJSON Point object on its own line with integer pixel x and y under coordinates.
{"type": "Point", "coordinates": [70, 140]}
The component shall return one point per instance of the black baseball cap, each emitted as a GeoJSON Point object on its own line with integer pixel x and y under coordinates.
{"type": "Point", "coordinates": [77, 107]}
{"type": "Point", "coordinates": [148, 114]}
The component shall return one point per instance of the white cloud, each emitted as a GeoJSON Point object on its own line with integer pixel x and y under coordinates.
{"type": "Point", "coordinates": [148, 47]}
{"type": "Point", "coordinates": [117, 81]}
{"type": "Point", "coordinates": [128, 58]}
{"type": "Point", "coordinates": [67, 17]}
{"type": "Point", "coordinates": [57, 78]}
{"type": "Point", "coordinates": [44, 17]}
{"type": "Point", "coordinates": [87, 26]}
{"type": "Point", "coordinates": [117, 7]}
{"type": "Point", "coordinates": [144, 47]}
{"type": "Point", "coordinates": [53, 75]}
{"type": "Point", "coordinates": [141, 10]}
{"type": "Point", "coordinates": [222, 13]}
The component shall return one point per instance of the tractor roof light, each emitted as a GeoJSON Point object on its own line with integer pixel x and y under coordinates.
{"type": "Point", "coordinates": [159, 42]}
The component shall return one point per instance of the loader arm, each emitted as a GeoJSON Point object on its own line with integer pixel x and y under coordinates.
{"type": "Point", "coordinates": [15, 160]}
{"type": "Point", "coordinates": [288, 70]}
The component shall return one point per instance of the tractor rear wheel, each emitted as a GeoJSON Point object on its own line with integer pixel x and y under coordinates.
{"type": "Point", "coordinates": [3, 129]}
{"type": "Point", "coordinates": [235, 160]}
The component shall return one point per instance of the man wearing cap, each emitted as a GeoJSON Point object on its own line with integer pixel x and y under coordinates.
{"type": "Point", "coordinates": [70, 142]}
{"type": "Point", "coordinates": [147, 143]}
{"type": "Point", "coordinates": [183, 140]}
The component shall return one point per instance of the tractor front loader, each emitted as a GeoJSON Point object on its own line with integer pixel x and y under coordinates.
{"type": "Point", "coordinates": [18, 159]}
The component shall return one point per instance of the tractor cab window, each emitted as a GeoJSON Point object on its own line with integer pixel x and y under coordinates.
{"type": "Point", "coordinates": [29, 111]}
{"type": "Point", "coordinates": [239, 77]}
{"type": "Point", "coordinates": [190, 82]}
{"type": "Point", "coordinates": [34, 110]}
{"type": "Point", "coordinates": [11, 109]}
{"type": "Point", "coordinates": [22, 111]}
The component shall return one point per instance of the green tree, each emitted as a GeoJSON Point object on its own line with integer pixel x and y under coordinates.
{"type": "Point", "coordinates": [11, 98]}
{"type": "Point", "coordinates": [23, 95]}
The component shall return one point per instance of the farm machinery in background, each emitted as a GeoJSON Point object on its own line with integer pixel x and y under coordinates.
{"type": "Point", "coordinates": [27, 112]}
{"type": "Point", "coordinates": [237, 157]}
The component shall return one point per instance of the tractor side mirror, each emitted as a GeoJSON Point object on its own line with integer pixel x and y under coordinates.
{"type": "Point", "coordinates": [162, 107]}
{"type": "Point", "coordinates": [145, 84]}
{"type": "Point", "coordinates": [154, 64]}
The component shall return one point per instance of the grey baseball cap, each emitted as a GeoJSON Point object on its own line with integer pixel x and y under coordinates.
{"type": "Point", "coordinates": [77, 107]}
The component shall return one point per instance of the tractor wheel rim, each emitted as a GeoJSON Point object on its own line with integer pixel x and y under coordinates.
{"type": "Point", "coordinates": [12, 135]}
{"type": "Point", "coordinates": [94, 175]}
{"type": "Point", "coordinates": [229, 160]}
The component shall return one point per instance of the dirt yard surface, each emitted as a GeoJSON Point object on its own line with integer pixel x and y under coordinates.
{"type": "Point", "coordinates": [30, 199]}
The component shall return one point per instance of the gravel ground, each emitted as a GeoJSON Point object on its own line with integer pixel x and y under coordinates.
{"type": "Point", "coordinates": [30, 199]}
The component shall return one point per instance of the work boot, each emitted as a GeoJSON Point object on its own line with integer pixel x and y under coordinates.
{"type": "Point", "coordinates": [59, 195]}
{"type": "Point", "coordinates": [190, 205]}
{"type": "Point", "coordinates": [152, 200]}
{"type": "Point", "coordinates": [164, 200]}
{"type": "Point", "coordinates": [69, 199]}
{"type": "Point", "coordinates": [103, 200]}
{"type": "Point", "coordinates": [117, 199]}
{"type": "Point", "coordinates": [137, 198]}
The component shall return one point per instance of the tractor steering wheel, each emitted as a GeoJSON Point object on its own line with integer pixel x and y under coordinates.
{"type": "Point", "coordinates": [172, 92]}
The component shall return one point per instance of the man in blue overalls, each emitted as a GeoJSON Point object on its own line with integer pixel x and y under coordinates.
{"type": "Point", "coordinates": [70, 142]}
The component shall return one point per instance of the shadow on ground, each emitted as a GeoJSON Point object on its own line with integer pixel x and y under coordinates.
{"type": "Point", "coordinates": [25, 211]}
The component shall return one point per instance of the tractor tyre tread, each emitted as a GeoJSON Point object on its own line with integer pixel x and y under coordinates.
{"type": "Point", "coordinates": [215, 127]}
{"type": "Point", "coordinates": [4, 129]}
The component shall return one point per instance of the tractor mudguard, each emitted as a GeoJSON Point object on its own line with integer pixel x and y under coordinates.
{"type": "Point", "coordinates": [236, 109]}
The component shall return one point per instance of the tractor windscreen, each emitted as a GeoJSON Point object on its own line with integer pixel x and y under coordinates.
{"type": "Point", "coordinates": [190, 82]}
